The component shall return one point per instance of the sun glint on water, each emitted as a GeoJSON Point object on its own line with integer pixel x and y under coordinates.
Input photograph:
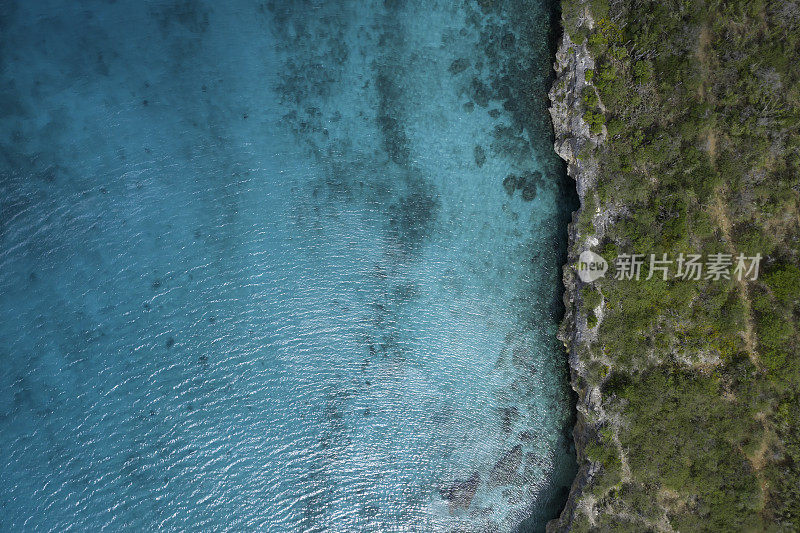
{"type": "Point", "coordinates": [280, 266]}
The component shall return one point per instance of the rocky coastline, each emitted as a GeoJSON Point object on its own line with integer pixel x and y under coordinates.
{"type": "Point", "coordinates": [575, 144]}
{"type": "Point", "coordinates": [674, 127]}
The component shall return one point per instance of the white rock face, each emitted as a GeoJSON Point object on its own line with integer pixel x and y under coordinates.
{"type": "Point", "coordinates": [576, 145]}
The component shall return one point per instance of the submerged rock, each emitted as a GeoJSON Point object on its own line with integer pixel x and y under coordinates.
{"type": "Point", "coordinates": [508, 41]}
{"type": "Point", "coordinates": [458, 66]}
{"type": "Point", "coordinates": [508, 415]}
{"type": "Point", "coordinates": [529, 191]}
{"type": "Point", "coordinates": [480, 155]}
{"type": "Point", "coordinates": [528, 184]}
{"type": "Point", "coordinates": [480, 92]}
{"type": "Point", "coordinates": [510, 184]}
{"type": "Point", "coordinates": [506, 469]}
{"type": "Point", "coordinates": [487, 6]}
{"type": "Point", "coordinates": [461, 493]}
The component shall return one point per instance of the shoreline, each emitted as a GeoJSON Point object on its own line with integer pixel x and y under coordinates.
{"type": "Point", "coordinates": [686, 408]}
{"type": "Point", "coordinates": [571, 134]}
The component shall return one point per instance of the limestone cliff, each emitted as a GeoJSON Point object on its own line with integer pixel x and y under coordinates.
{"type": "Point", "coordinates": [574, 143]}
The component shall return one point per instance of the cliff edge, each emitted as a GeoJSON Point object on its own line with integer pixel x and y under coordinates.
{"type": "Point", "coordinates": [680, 124]}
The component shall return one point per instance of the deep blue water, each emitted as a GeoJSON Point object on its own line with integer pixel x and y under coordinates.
{"type": "Point", "coordinates": [259, 269]}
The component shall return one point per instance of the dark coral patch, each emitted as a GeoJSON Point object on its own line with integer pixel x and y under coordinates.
{"type": "Point", "coordinates": [480, 156]}
{"type": "Point", "coordinates": [458, 66]}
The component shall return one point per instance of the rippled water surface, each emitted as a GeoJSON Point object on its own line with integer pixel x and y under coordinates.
{"type": "Point", "coordinates": [262, 266]}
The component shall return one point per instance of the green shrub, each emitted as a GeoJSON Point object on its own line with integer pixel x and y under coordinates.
{"type": "Point", "coordinates": [685, 437]}
{"type": "Point", "coordinates": [784, 281]}
{"type": "Point", "coordinates": [614, 127]}
{"type": "Point", "coordinates": [589, 98]}
{"type": "Point", "coordinates": [775, 339]}
{"type": "Point", "coordinates": [596, 121]}
{"type": "Point", "coordinates": [591, 297]}
{"type": "Point", "coordinates": [643, 71]}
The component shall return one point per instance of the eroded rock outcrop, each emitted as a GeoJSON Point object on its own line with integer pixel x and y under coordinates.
{"type": "Point", "coordinates": [575, 144]}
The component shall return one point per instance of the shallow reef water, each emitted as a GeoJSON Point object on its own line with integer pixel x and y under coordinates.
{"type": "Point", "coordinates": [281, 266]}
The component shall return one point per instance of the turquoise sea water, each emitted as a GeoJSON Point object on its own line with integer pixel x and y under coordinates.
{"type": "Point", "coordinates": [259, 269]}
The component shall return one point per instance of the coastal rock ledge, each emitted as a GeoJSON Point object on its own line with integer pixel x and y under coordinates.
{"type": "Point", "coordinates": [575, 144]}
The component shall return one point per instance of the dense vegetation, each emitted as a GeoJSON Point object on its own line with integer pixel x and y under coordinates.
{"type": "Point", "coordinates": [698, 103]}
